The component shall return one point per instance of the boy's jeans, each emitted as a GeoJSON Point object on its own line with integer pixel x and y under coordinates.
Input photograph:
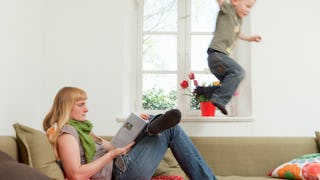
{"type": "Point", "coordinates": [143, 159]}
{"type": "Point", "coordinates": [228, 71]}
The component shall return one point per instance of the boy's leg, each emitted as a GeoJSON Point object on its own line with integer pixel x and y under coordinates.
{"type": "Point", "coordinates": [230, 74]}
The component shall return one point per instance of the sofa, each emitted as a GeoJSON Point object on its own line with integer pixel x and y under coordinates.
{"type": "Point", "coordinates": [231, 158]}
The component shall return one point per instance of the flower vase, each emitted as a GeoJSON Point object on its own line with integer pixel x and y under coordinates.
{"type": "Point", "coordinates": [207, 109]}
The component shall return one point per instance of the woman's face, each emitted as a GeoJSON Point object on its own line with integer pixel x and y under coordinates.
{"type": "Point", "coordinates": [79, 110]}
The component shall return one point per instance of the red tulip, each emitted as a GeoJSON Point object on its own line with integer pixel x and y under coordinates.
{"type": "Point", "coordinates": [184, 84]}
{"type": "Point", "coordinates": [191, 76]}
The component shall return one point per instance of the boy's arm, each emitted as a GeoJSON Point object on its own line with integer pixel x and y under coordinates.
{"type": "Point", "coordinates": [220, 2]}
{"type": "Point", "coordinates": [255, 38]}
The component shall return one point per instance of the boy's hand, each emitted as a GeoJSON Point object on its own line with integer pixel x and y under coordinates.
{"type": "Point", "coordinates": [255, 38]}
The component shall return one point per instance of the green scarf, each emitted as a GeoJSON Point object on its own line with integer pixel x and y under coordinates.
{"type": "Point", "coordinates": [84, 128]}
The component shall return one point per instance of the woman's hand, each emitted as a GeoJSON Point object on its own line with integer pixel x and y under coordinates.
{"type": "Point", "coordinates": [115, 152]}
{"type": "Point", "coordinates": [144, 116]}
{"type": "Point", "coordinates": [107, 145]}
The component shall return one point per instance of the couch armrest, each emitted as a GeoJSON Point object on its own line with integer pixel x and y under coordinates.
{"type": "Point", "coordinates": [8, 144]}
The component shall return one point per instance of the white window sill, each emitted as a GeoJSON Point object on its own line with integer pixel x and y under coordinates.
{"type": "Point", "coordinates": [216, 119]}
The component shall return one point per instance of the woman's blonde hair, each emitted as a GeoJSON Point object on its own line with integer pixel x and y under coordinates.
{"type": "Point", "coordinates": [61, 109]}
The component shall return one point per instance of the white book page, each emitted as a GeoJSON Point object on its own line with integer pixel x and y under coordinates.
{"type": "Point", "coordinates": [129, 131]}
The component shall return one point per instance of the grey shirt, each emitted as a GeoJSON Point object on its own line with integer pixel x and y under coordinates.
{"type": "Point", "coordinates": [227, 29]}
{"type": "Point", "coordinates": [106, 172]}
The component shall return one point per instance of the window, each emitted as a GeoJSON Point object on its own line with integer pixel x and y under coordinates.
{"type": "Point", "coordinates": [173, 37]}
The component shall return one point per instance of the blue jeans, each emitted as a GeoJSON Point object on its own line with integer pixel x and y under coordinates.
{"type": "Point", "coordinates": [143, 159]}
{"type": "Point", "coordinates": [228, 71]}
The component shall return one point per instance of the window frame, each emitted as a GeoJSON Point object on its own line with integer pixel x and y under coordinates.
{"type": "Point", "coordinates": [241, 53]}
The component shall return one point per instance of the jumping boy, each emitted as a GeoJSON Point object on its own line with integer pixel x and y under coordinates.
{"type": "Point", "coordinates": [227, 70]}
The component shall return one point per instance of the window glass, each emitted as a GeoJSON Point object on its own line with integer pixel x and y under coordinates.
{"type": "Point", "coordinates": [171, 48]}
{"type": "Point", "coordinates": [159, 91]}
{"type": "Point", "coordinates": [199, 46]}
{"type": "Point", "coordinates": [160, 52]}
{"type": "Point", "coordinates": [203, 15]}
{"type": "Point", "coordinates": [160, 15]}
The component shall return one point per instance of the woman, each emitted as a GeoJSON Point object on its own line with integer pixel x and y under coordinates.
{"type": "Point", "coordinates": [86, 156]}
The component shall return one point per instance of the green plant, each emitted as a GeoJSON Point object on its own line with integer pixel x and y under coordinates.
{"type": "Point", "coordinates": [157, 99]}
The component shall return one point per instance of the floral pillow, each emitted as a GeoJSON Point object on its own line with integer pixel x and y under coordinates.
{"type": "Point", "coordinates": [306, 167]}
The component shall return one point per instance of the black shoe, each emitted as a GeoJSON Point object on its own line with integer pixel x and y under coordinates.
{"type": "Point", "coordinates": [164, 121]}
{"type": "Point", "coordinates": [206, 91]}
{"type": "Point", "coordinates": [221, 107]}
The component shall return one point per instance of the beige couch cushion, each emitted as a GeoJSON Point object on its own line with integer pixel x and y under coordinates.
{"type": "Point", "coordinates": [5, 157]}
{"type": "Point", "coordinates": [8, 144]}
{"type": "Point", "coordinates": [318, 138]}
{"type": "Point", "coordinates": [36, 151]}
{"type": "Point", "coordinates": [250, 156]}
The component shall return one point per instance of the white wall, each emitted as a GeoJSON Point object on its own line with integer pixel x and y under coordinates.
{"type": "Point", "coordinates": [21, 55]}
{"type": "Point", "coordinates": [286, 67]}
{"type": "Point", "coordinates": [84, 48]}
{"type": "Point", "coordinates": [45, 45]}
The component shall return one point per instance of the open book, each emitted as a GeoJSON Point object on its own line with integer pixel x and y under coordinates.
{"type": "Point", "coordinates": [129, 131]}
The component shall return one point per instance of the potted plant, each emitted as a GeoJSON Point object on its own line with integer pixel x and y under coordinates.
{"type": "Point", "coordinates": [201, 93]}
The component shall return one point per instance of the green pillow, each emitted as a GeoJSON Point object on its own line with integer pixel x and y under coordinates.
{"type": "Point", "coordinates": [36, 151]}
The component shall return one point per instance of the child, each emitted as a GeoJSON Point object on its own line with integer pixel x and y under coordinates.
{"type": "Point", "coordinates": [227, 70]}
